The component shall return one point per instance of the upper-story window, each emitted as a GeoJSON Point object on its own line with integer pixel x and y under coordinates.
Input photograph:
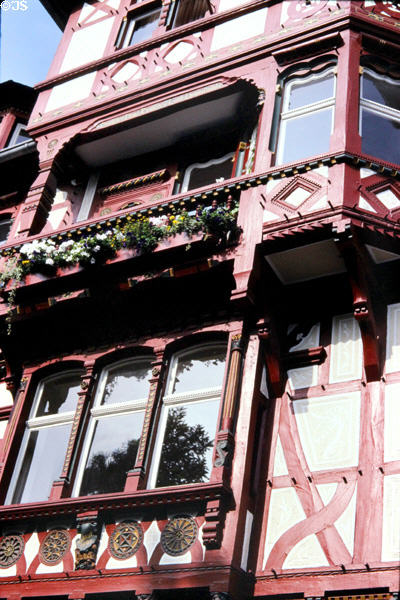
{"type": "Point", "coordinates": [307, 114]}
{"type": "Point", "coordinates": [18, 135]}
{"type": "Point", "coordinates": [115, 427]}
{"type": "Point", "coordinates": [189, 414]}
{"type": "Point", "coordinates": [45, 441]}
{"type": "Point", "coordinates": [138, 26]}
{"type": "Point", "coordinates": [380, 116]}
{"type": "Point", "coordinates": [5, 225]}
{"type": "Point", "coordinates": [182, 12]}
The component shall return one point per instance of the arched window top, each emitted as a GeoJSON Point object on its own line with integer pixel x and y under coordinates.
{"type": "Point", "coordinates": [197, 368]}
{"type": "Point", "coordinates": [124, 381]}
{"type": "Point", "coordinates": [57, 394]}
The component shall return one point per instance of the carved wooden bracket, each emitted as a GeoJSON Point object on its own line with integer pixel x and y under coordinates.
{"type": "Point", "coordinates": [88, 542]}
{"type": "Point", "coordinates": [357, 264]}
{"type": "Point", "coordinates": [214, 525]}
{"type": "Point", "coordinates": [269, 338]}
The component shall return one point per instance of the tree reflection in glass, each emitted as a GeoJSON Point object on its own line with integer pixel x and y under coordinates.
{"type": "Point", "coordinates": [186, 453]}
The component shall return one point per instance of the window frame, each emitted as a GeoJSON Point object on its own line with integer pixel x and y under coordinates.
{"type": "Point", "coordinates": [15, 133]}
{"type": "Point", "coordinates": [286, 115]}
{"type": "Point", "coordinates": [209, 163]}
{"type": "Point", "coordinates": [381, 110]}
{"type": "Point", "coordinates": [34, 423]}
{"type": "Point", "coordinates": [98, 412]}
{"type": "Point", "coordinates": [169, 400]}
{"type": "Point", "coordinates": [128, 23]}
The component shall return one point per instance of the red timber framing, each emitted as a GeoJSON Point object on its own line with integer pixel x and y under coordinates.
{"type": "Point", "coordinates": [200, 307]}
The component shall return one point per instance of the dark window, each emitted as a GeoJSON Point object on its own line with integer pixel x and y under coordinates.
{"type": "Point", "coordinates": [137, 27]}
{"type": "Point", "coordinates": [186, 11]}
{"type": "Point", "coordinates": [380, 116]}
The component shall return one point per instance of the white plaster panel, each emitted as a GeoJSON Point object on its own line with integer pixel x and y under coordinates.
{"type": "Point", "coordinates": [129, 563]}
{"type": "Point", "coordinates": [285, 511]}
{"type": "Point", "coordinates": [323, 171]}
{"type": "Point", "coordinates": [346, 523]}
{"type": "Point", "coordinates": [391, 518]}
{"type": "Point", "coordinates": [365, 205]}
{"type": "Point", "coordinates": [392, 422]}
{"type": "Point", "coordinates": [113, 3]}
{"type": "Point", "coordinates": [130, 69]}
{"type": "Point", "coordinates": [166, 559]}
{"type": "Point", "coordinates": [229, 4]}
{"type": "Point", "coordinates": [238, 30]}
{"type": "Point", "coordinates": [269, 216]}
{"type": "Point", "coordinates": [366, 173]}
{"type": "Point", "coordinates": [70, 91]}
{"type": "Point", "coordinates": [280, 466]}
{"type": "Point", "coordinates": [306, 553]}
{"type": "Point", "coordinates": [388, 199]}
{"type": "Point", "coordinates": [151, 538]}
{"type": "Point", "coordinates": [329, 429]}
{"type": "Point", "coordinates": [326, 491]}
{"type": "Point", "coordinates": [246, 540]}
{"type": "Point", "coordinates": [6, 398]}
{"type": "Point", "coordinates": [179, 52]}
{"type": "Point", "coordinates": [321, 203]}
{"type": "Point", "coordinates": [103, 542]}
{"type": "Point", "coordinates": [31, 549]}
{"type": "Point", "coordinates": [201, 539]}
{"type": "Point", "coordinates": [3, 427]}
{"type": "Point", "coordinates": [303, 377]}
{"type": "Point", "coordinates": [393, 339]}
{"type": "Point", "coordinates": [87, 44]}
{"type": "Point", "coordinates": [85, 12]}
{"type": "Point", "coordinates": [42, 568]}
{"type": "Point", "coordinates": [56, 216]}
{"type": "Point", "coordinates": [311, 340]}
{"type": "Point", "coordinates": [10, 572]}
{"type": "Point", "coordinates": [297, 197]}
{"type": "Point", "coordinates": [272, 184]}
{"type": "Point", "coordinates": [346, 350]}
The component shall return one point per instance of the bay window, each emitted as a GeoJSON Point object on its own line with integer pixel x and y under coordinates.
{"type": "Point", "coordinates": [115, 428]}
{"type": "Point", "coordinates": [189, 414]}
{"type": "Point", "coordinates": [306, 115]}
{"type": "Point", "coordinates": [380, 116]}
{"type": "Point", "coordinates": [109, 430]}
{"type": "Point", "coordinates": [45, 441]}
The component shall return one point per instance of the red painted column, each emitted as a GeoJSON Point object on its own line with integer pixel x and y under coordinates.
{"type": "Point", "coordinates": [6, 126]}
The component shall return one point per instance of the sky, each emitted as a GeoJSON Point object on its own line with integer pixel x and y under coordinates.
{"type": "Point", "coordinates": [29, 39]}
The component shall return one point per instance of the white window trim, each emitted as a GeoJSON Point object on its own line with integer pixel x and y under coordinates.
{"type": "Point", "coordinates": [37, 423]}
{"type": "Point", "coordinates": [180, 399]}
{"type": "Point", "coordinates": [15, 134]}
{"type": "Point", "coordinates": [99, 412]}
{"type": "Point", "coordinates": [88, 197]}
{"type": "Point", "coordinates": [375, 107]}
{"type": "Point", "coordinates": [289, 115]}
{"type": "Point", "coordinates": [213, 161]}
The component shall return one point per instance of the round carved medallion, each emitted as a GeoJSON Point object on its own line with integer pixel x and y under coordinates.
{"type": "Point", "coordinates": [11, 549]}
{"type": "Point", "coordinates": [54, 547]}
{"type": "Point", "coordinates": [179, 535]}
{"type": "Point", "coordinates": [125, 540]}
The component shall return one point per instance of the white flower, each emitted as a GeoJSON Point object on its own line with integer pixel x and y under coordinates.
{"type": "Point", "coordinates": [49, 261]}
{"type": "Point", "coordinates": [96, 248]}
{"type": "Point", "coordinates": [92, 261]}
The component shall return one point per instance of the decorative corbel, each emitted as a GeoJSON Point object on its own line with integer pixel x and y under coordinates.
{"type": "Point", "coordinates": [357, 264]}
{"type": "Point", "coordinates": [272, 355]}
{"type": "Point", "coordinates": [88, 542]}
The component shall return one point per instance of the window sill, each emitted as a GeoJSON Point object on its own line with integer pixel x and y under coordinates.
{"type": "Point", "coordinates": [142, 498]}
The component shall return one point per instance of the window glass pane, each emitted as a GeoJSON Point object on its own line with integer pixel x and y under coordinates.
{"type": "Point", "coordinates": [380, 136]}
{"type": "Point", "coordinates": [383, 91]}
{"type": "Point", "coordinates": [127, 382]}
{"type": "Point", "coordinates": [200, 369]}
{"type": "Point", "coordinates": [190, 10]}
{"type": "Point", "coordinates": [4, 230]}
{"type": "Point", "coordinates": [305, 136]}
{"type": "Point", "coordinates": [200, 176]}
{"type": "Point", "coordinates": [42, 463]}
{"type": "Point", "coordinates": [302, 93]}
{"type": "Point", "coordinates": [186, 455]}
{"type": "Point", "coordinates": [144, 27]}
{"type": "Point", "coordinates": [59, 395]}
{"type": "Point", "coordinates": [22, 137]}
{"type": "Point", "coordinates": [112, 453]}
